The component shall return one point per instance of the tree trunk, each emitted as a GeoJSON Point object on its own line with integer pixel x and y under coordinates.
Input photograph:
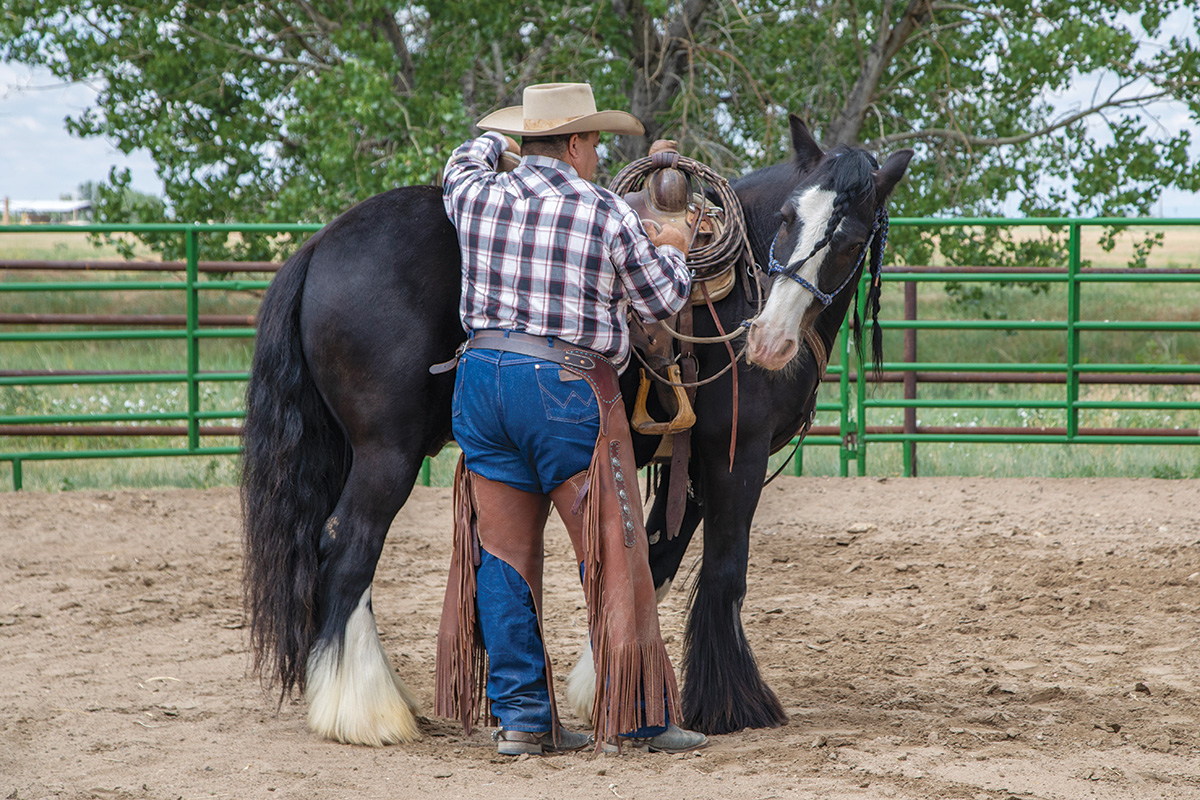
{"type": "Point", "coordinates": [661, 66]}
{"type": "Point", "coordinates": [847, 127]}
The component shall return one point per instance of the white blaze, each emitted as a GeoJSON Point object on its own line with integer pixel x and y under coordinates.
{"type": "Point", "coordinates": [777, 328]}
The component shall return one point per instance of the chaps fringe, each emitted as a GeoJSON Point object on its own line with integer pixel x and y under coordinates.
{"type": "Point", "coordinates": [461, 667]}
{"type": "Point", "coordinates": [635, 682]}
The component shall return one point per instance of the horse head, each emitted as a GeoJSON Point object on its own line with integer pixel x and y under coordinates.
{"type": "Point", "coordinates": [830, 224]}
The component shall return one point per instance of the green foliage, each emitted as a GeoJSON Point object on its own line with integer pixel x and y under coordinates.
{"type": "Point", "coordinates": [293, 112]}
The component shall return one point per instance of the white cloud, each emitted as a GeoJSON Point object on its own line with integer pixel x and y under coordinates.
{"type": "Point", "coordinates": [11, 127]}
{"type": "Point", "coordinates": [39, 160]}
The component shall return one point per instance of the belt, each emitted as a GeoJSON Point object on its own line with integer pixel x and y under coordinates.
{"type": "Point", "coordinates": [544, 347]}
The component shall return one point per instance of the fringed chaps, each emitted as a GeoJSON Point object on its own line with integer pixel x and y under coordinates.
{"type": "Point", "coordinates": [461, 667]}
{"type": "Point", "coordinates": [635, 682]}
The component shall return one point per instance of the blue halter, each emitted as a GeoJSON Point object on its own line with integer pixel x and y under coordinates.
{"type": "Point", "coordinates": [775, 268]}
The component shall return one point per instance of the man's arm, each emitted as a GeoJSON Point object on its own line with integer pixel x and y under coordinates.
{"type": "Point", "coordinates": [471, 161]}
{"type": "Point", "coordinates": [654, 272]}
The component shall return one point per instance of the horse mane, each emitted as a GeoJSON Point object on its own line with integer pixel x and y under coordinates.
{"type": "Point", "coordinates": [847, 171]}
{"type": "Point", "coordinates": [766, 188]}
{"type": "Point", "coordinates": [851, 177]}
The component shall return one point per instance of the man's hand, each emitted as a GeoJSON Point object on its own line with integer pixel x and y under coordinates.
{"type": "Point", "coordinates": [666, 234]}
{"type": "Point", "coordinates": [510, 157]}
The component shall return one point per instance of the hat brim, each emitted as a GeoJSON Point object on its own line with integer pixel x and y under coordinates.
{"type": "Point", "coordinates": [511, 121]}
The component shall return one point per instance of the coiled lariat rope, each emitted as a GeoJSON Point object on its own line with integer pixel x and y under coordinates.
{"type": "Point", "coordinates": [726, 250]}
{"type": "Point", "coordinates": [709, 261]}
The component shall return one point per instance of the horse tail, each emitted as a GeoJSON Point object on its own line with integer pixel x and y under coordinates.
{"type": "Point", "coordinates": [295, 460]}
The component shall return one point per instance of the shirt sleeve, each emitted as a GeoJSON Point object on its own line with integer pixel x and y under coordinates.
{"type": "Point", "coordinates": [471, 162]}
{"type": "Point", "coordinates": [656, 279]}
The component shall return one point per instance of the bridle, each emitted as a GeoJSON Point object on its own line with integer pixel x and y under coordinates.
{"type": "Point", "coordinates": [879, 228]}
{"type": "Point", "coordinates": [776, 268]}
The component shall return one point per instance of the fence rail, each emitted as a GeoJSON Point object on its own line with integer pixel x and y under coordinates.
{"type": "Point", "coordinates": [854, 405]}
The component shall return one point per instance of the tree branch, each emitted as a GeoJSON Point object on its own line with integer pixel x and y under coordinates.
{"type": "Point", "coordinates": [327, 26]}
{"type": "Point", "coordinates": [406, 74]}
{"type": "Point", "coordinates": [261, 57]}
{"type": "Point", "coordinates": [949, 134]}
{"type": "Point", "coordinates": [662, 65]}
{"type": "Point", "coordinates": [847, 127]}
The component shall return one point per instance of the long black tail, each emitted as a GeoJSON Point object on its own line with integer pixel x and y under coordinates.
{"type": "Point", "coordinates": [294, 464]}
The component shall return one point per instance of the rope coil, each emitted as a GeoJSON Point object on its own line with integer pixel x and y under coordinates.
{"type": "Point", "coordinates": [726, 250]}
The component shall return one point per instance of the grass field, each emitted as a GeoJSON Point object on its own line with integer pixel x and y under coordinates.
{"type": "Point", "coordinates": [1117, 301]}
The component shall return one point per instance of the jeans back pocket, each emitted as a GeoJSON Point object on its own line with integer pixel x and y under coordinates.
{"type": "Point", "coordinates": [565, 401]}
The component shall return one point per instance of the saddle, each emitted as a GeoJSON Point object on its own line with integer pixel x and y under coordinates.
{"type": "Point", "coordinates": [667, 198]}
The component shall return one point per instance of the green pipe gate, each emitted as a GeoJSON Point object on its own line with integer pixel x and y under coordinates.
{"type": "Point", "coordinates": [853, 406]}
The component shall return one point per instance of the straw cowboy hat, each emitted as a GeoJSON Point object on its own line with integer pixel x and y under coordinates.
{"type": "Point", "coordinates": [549, 109]}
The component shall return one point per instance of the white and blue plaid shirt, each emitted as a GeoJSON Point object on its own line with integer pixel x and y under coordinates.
{"type": "Point", "coordinates": [551, 254]}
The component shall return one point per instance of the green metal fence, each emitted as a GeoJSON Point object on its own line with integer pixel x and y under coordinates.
{"type": "Point", "coordinates": [854, 405]}
{"type": "Point", "coordinates": [1075, 368]}
{"type": "Point", "coordinates": [191, 377]}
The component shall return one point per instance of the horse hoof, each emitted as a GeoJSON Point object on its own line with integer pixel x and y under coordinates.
{"type": "Point", "coordinates": [353, 694]}
{"type": "Point", "coordinates": [763, 711]}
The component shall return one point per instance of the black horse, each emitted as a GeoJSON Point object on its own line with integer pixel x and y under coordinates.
{"type": "Point", "coordinates": [341, 409]}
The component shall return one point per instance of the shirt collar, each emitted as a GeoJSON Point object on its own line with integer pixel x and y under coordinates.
{"type": "Point", "coordinates": [548, 162]}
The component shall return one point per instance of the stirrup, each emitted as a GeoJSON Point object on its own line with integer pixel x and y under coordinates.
{"type": "Point", "coordinates": [643, 423]}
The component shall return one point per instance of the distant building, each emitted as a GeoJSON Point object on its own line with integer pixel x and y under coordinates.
{"type": "Point", "coordinates": [26, 212]}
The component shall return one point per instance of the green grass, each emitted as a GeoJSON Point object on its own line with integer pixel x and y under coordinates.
{"type": "Point", "coordinates": [1164, 302]}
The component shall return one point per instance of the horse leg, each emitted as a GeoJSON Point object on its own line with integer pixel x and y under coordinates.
{"type": "Point", "coordinates": [723, 690]}
{"type": "Point", "coordinates": [665, 558]}
{"type": "Point", "coordinates": [353, 694]}
{"type": "Point", "coordinates": [667, 554]}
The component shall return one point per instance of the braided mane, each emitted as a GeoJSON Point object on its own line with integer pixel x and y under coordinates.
{"type": "Point", "coordinates": [849, 173]}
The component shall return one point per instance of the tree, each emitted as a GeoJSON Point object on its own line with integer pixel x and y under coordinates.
{"type": "Point", "coordinates": [294, 110]}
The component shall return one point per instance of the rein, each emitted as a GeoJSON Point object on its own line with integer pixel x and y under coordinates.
{"type": "Point", "coordinates": [817, 347]}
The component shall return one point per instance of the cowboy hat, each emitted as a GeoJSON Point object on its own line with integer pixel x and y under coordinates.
{"type": "Point", "coordinates": [549, 109]}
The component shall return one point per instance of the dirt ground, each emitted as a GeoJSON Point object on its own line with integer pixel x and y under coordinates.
{"type": "Point", "coordinates": [929, 638]}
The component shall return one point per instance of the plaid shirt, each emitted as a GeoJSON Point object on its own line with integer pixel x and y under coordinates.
{"type": "Point", "coordinates": [548, 253]}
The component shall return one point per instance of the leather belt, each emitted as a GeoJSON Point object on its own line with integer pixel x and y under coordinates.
{"type": "Point", "coordinates": [547, 348]}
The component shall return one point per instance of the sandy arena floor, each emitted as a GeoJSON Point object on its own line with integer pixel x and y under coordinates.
{"type": "Point", "coordinates": [930, 638]}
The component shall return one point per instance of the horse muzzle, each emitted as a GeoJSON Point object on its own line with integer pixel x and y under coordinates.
{"type": "Point", "coordinates": [770, 347]}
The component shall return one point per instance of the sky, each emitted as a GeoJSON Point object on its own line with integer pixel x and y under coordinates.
{"type": "Point", "coordinates": [40, 160]}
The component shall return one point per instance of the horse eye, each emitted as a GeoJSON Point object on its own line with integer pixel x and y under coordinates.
{"type": "Point", "coordinates": [789, 214]}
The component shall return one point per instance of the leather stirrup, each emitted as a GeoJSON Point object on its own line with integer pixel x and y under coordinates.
{"type": "Point", "coordinates": [685, 417]}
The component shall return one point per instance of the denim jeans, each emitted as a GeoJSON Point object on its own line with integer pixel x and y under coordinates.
{"type": "Point", "coordinates": [519, 422]}
{"type": "Point", "coordinates": [516, 659]}
{"type": "Point", "coordinates": [527, 423]}
{"type": "Point", "coordinates": [523, 421]}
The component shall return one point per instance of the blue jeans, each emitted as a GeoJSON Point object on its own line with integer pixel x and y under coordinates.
{"type": "Point", "coordinates": [524, 422]}
{"type": "Point", "coordinates": [516, 658]}
{"type": "Point", "coordinates": [519, 422]}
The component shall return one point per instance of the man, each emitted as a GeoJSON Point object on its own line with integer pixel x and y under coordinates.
{"type": "Point", "coordinates": [550, 264]}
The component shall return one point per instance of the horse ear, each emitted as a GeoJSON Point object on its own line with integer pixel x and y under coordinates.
{"type": "Point", "coordinates": [891, 172]}
{"type": "Point", "coordinates": [807, 151]}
